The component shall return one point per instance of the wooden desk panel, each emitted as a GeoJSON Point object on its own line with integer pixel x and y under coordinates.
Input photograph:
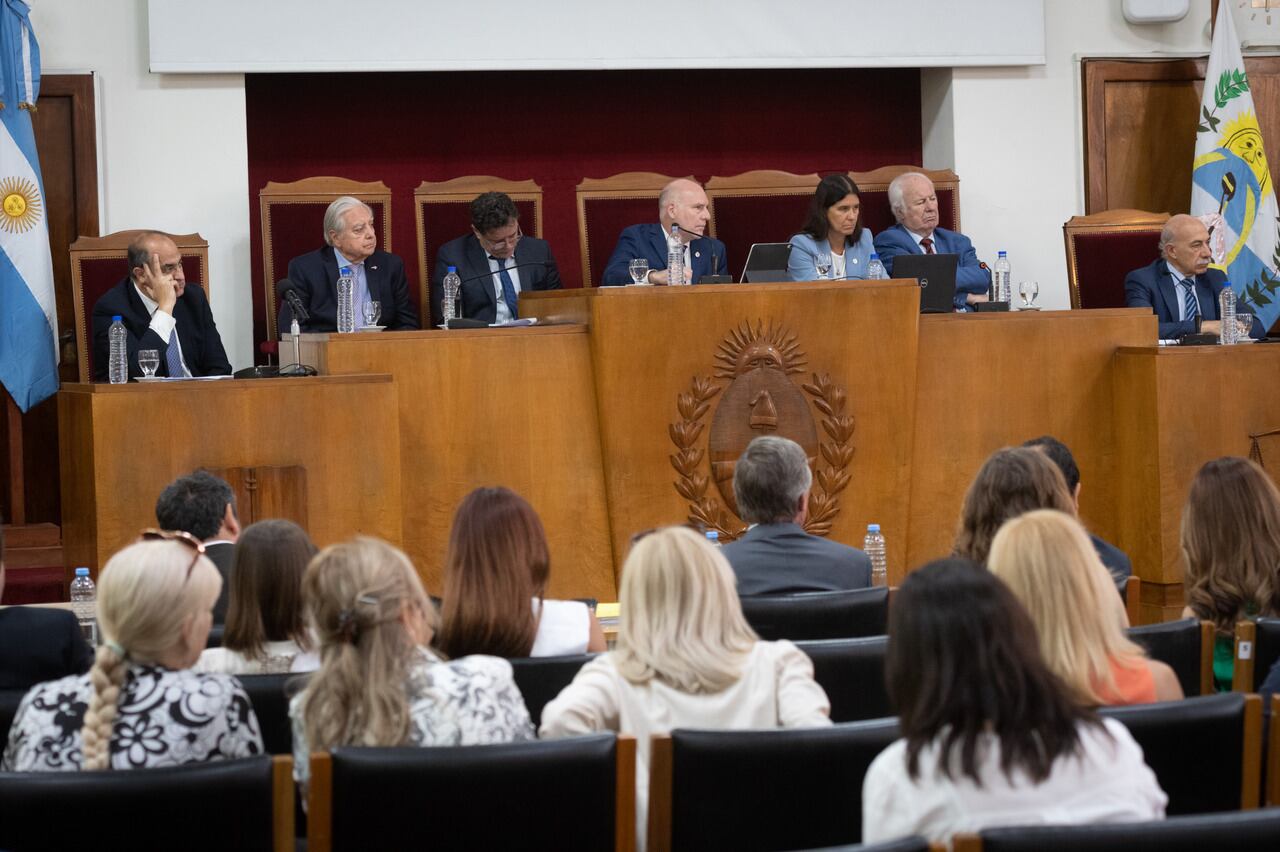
{"type": "Point", "coordinates": [120, 445]}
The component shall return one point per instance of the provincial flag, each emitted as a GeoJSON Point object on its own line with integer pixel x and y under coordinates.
{"type": "Point", "coordinates": [28, 308]}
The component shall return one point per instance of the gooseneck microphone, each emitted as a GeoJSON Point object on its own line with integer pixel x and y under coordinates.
{"type": "Point", "coordinates": [300, 314]}
{"type": "Point", "coordinates": [543, 263]}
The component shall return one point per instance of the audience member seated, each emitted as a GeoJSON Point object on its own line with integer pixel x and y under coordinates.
{"type": "Point", "coordinates": [378, 683]}
{"type": "Point", "coordinates": [1046, 558]}
{"type": "Point", "coordinates": [159, 312]}
{"type": "Point", "coordinates": [1112, 557]}
{"type": "Point", "coordinates": [204, 506]}
{"type": "Point", "coordinates": [1010, 482]}
{"type": "Point", "coordinates": [266, 631]}
{"type": "Point", "coordinates": [378, 276]}
{"type": "Point", "coordinates": [1179, 287]}
{"type": "Point", "coordinates": [496, 262]}
{"type": "Point", "coordinates": [1231, 548]}
{"type": "Point", "coordinates": [141, 705]}
{"type": "Point", "coordinates": [915, 206]}
{"type": "Point", "coordinates": [990, 736]}
{"type": "Point", "coordinates": [38, 644]}
{"type": "Point", "coordinates": [495, 579]}
{"type": "Point", "coordinates": [685, 658]}
{"type": "Point", "coordinates": [833, 229]}
{"type": "Point", "coordinates": [684, 203]}
{"type": "Point", "coordinates": [775, 556]}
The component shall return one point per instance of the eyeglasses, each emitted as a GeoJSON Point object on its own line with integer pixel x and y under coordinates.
{"type": "Point", "coordinates": [181, 537]}
{"type": "Point", "coordinates": [491, 245]}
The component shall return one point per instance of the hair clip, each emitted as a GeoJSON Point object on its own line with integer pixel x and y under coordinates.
{"type": "Point", "coordinates": [117, 647]}
{"type": "Point", "coordinates": [348, 627]}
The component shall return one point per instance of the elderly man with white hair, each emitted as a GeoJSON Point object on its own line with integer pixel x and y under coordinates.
{"type": "Point", "coordinates": [915, 206]}
{"type": "Point", "coordinates": [350, 242]}
{"type": "Point", "coordinates": [683, 202]}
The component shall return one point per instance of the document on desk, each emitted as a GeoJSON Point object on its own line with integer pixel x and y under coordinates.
{"type": "Point", "coordinates": [515, 323]}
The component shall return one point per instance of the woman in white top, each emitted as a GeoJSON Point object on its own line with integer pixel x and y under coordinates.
{"type": "Point", "coordinates": [685, 658]}
{"type": "Point", "coordinates": [495, 579]}
{"type": "Point", "coordinates": [991, 736]}
{"type": "Point", "coordinates": [265, 631]}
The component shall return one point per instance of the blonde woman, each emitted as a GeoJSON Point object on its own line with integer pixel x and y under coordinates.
{"type": "Point", "coordinates": [685, 658]}
{"type": "Point", "coordinates": [1048, 561]}
{"type": "Point", "coordinates": [378, 683]}
{"type": "Point", "coordinates": [140, 705]}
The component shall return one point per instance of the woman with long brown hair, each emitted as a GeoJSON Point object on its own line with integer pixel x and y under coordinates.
{"type": "Point", "coordinates": [1010, 482]}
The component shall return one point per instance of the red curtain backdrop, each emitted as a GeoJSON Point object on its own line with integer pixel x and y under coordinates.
{"type": "Point", "coordinates": [559, 127]}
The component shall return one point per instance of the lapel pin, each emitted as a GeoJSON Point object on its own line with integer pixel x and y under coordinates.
{"type": "Point", "coordinates": [697, 254]}
{"type": "Point", "coordinates": [374, 268]}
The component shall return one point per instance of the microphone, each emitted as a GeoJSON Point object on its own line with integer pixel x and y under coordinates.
{"type": "Point", "coordinates": [300, 314]}
{"type": "Point", "coordinates": [289, 291]}
{"type": "Point", "coordinates": [543, 263]}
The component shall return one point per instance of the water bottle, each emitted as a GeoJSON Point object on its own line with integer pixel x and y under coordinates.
{"type": "Point", "coordinates": [84, 603]}
{"type": "Point", "coordinates": [1227, 313]}
{"type": "Point", "coordinates": [875, 269]}
{"type": "Point", "coordinates": [713, 538]}
{"type": "Point", "coordinates": [675, 257]}
{"type": "Point", "coordinates": [452, 284]}
{"type": "Point", "coordinates": [873, 545]}
{"type": "Point", "coordinates": [118, 360]}
{"type": "Point", "coordinates": [346, 301]}
{"type": "Point", "coordinates": [1000, 288]}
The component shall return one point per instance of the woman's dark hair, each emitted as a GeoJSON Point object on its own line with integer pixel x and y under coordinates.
{"type": "Point", "coordinates": [265, 603]}
{"type": "Point", "coordinates": [831, 189]}
{"type": "Point", "coordinates": [497, 564]}
{"type": "Point", "coordinates": [963, 662]}
{"type": "Point", "coordinates": [1011, 482]}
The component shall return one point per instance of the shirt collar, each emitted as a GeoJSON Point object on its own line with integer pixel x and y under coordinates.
{"type": "Point", "coordinates": [342, 261]}
{"type": "Point", "coordinates": [919, 237]}
{"type": "Point", "coordinates": [1178, 275]}
{"type": "Point", "coordinates": [147, 302]}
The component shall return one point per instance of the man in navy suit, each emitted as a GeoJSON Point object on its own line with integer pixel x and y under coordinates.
{"type": "Point", "coordinates": [915, 206]}
{"type": "Point", "coordinates": [496, 262]}
{"type": "Point", "coordinates": [682, 202]}
{"type": "Point", "coordinates": [1180, 287]}
{"type": "Point", "coordinates": [379, 276]}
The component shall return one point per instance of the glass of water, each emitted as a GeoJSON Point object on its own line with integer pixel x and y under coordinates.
{"type": "Point", "coordinates": [148, 360]}
{"type": "Point", "coordinates": [822, 260]}
{"type": "Point", "coordinates": [1028, 290]}
{"type": "Point", "coordinates": [639, 269]}
{"type": "Point", "coordinates": [372, 313]}
{"type": "Point", "coordinates": [1244, 324]}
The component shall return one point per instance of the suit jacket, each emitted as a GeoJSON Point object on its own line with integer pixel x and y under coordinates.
{"type": "Point", "coordinates": [315, 275]}
{"type": "Point", "coordinates": [773, 559]}
{"type": "Point", "coordinates": [649, 242]}
{"type": "Point", "coordinates": [479, 298]}
{"type": "Point", "coordinates": [1115, 560]}
{"type": "Point", "coordinates": [220, 554]}
{"type": "Point", "coordinates": [38, 644]}
{"type": "Point", "coordinates": [201, 344]}
{"type": "Point", "coordinates": [1153, 286]}
{"type": "Point", "coordinates": [971, 275]}
{"type": "Point", "coordinates": [801, 265]}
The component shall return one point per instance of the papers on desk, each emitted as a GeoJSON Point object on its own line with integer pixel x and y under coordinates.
{"type": "Point", "coordinates": [516, 323]}
{"type": "Point", "coordinates": [182, 378]}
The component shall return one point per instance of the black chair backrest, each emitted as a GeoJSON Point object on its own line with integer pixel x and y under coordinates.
{"type": "Point", "coordinates": [783, 789]}
{"type": "Point", "coordinates": [208, 806]}
{"type": "Point", "coordinates": [215, 636]}
{"type": "Point", "coordinates": [270, 694]}
{"type": "Point", "coordinates": [852, 673]}
{"type": "Point", "coordinates": [552, 794]}
{"type": "Point", "coordinates": [541, 678]}
{"type": "Point", "coordinates": [1266, 649]}
{"type": "Point", "coordinates": [1243, 831]}
{"type": "Point", "coordinates": [9, 701]}
{"type": "Point", "coordinates": [819, 615]}
{"type": "Point", "coordinates": [1176, 643]}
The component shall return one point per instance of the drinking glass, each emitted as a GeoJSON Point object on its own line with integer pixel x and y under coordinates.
{"type": "Point", "coordinates": [372, 313]}
{"type": "Point", "coordinates": [1244, 324]}
{"type": "Point", "coordinates": [148, 360]}
{"type": "Point", "coordinates": [822, 260]}
{"type": "Point", "coordinates": [639, 269]}
{"type": "Point", "coordinates": [1028, 290]}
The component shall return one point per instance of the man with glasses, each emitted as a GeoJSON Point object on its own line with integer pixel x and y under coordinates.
{"type": "Point", "coordinates": [204, 506]}
{"type": "Point", "coordinates": [496, 262]}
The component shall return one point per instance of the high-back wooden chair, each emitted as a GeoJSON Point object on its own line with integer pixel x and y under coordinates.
{"type": "Point", "coordinates": [99, 263]}
{"type": "Point", "coordinates": [1257, 649]}
{"type": "Point", "coordinates": [293, 224]}
{"type": "Point", "coordinates": [606, 206]}
{"type": "Point", "coordinates": [874, 188]}
{"type": "Point", "coordinates": [764, 206]}
{"type": "Point", "coordinates": [1104, 247]}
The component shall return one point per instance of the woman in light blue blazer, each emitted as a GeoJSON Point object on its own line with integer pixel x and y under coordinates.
{"type": "Point", "coordinates": [834, 227]}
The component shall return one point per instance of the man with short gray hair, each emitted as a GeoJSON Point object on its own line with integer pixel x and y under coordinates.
{"type": "Point", "coordinates": [350, 243]}
{"type": "Point", "coordinates": [776, 556]}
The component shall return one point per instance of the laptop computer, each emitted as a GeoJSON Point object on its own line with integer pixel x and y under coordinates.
{"type": "Point", "coordinates": [937, 276]}
{"type": "Point", "coordinates": [766, 262]}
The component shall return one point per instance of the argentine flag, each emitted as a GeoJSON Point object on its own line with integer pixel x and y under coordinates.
{"type": "Point", "coordinates": [28, 309]}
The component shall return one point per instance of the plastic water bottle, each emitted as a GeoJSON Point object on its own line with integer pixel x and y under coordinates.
{"type": "Point", "coordinates": [452, 284]}
{"type": "Point", "coordinates": [118, 360]}
{"type": "Point", "coordinates": [873, 545]}
{"type": "Point", "coordinates": [346, 301]}
{"type": "Point", "coordinates": [1001, 290]}
{"type": "Point", "coordinates": [875, 269]}
{"type": "Point", "coordinates": [84, 603]}
{"type": "Point", "coordinates": [713, 538]}
{"type": "Point", "coordinates": [675, 257]}
{"type": "Point", "coordinates": [1227, 313]}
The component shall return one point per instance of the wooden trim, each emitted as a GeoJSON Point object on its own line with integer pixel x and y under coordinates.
{"type": "Point", "coordinates": [1245, 651]}
{"type": "Point", "coordinates": [1207, 635]}
{"type": "Point", "coordinates": [1133, 598]}
{"type": "Point", "coordinates": [624, 805]}
{"type": "Point", "coordinates": [1106, 222]}
{"type": "Point", "coordinates": [878, 180]}
{"type": "Point", "coordinates": [1273, 755]}
{"type": "Point", "coordinates": [624, 185]}
{"type": "Point", "coordinates": [1251, 763]}
{"type": "Point", "coordinates": [320, 803]}
{"type": "Point", "coordinates": [660, 791]}
{"type": "Point", "coordinates": [965, 843]}
{"type": "Point", "coordinates": [282, 839]}
{"type": "Point", "coordinates": [763, 182]}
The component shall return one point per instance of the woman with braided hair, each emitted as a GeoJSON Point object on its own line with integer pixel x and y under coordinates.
{"type": "Point", "coordinates": [140, 705]}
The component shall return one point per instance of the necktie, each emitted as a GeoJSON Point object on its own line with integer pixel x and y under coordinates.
{"type": "Point", "coordinates": [1190, 306]}
{"type": "Point", "coordinates": [359, 291]}
{"type": "Point", "coordinates": [508, 287]}
{"type": "Point", "coordinates": [927, 243]}
{"type": "Point", "coordinates": [173, 357]}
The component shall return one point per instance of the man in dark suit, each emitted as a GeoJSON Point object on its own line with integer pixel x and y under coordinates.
{"type": "Point", "coordinates": [1180, 287]}
{"type": "Point", "coordinates": [915, 206]}
{"type": "Point", "coordinates": [771, 486]}
{"type": "Point", "coordinates": [38, 644]}
{"type": "Point", "coordinates": [159, 312]}
{"type": "Point", "coordinates": [496, 263]}
{"type": "Point", "coordinates": [682, 202]}
{"type": "Point", "coordinates": [378, 276]}
{"type": "Point", "coordinates": [204, 506]}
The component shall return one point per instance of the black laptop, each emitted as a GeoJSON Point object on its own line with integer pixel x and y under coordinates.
{"type": "Point", "coordinates": [937, 276]}
{"type": "Point", "coordinates": [766, 262]}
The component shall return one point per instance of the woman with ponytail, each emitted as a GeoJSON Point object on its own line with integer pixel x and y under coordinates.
{"type": "Point", "coordinates": [140, 705]}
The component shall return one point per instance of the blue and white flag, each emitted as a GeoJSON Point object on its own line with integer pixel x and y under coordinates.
{"type": "Point", "coordinates": [1231, 187]}
{"type": "Point", "coordinates": [28, 307]}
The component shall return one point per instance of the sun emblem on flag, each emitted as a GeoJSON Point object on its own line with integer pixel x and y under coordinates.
{"type": "Point", "coordinates": [19, 204]}
{"type": "Point", "coordinates": [1243, 137]}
